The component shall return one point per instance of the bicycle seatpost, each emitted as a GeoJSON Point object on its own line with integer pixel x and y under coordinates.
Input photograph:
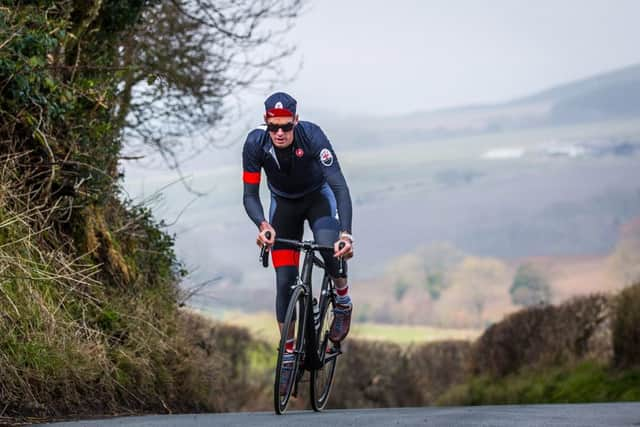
{"type": "Point", "coordinates": [341, 245]}
{"type": "Point", "coordinates": [264, 252]}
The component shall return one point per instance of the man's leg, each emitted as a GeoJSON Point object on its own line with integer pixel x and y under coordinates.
{"type": "Point", "coordinates": [326, 230]}
{"type": "Point", "coordinates": [286, 218]}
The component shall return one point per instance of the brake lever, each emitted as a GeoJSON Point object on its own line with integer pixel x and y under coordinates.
{"type": "Point", "coordinates": [341, 245]}
{"type": "Point", "coordinates": [264, 252]}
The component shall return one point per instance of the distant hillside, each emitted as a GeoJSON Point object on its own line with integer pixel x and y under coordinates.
{"type": "Point", "coordinates": [504, 181]}
{"type": "Point", "coordinates": [612, 95]}
{"type": "Point", "coordinates": [625, 76]}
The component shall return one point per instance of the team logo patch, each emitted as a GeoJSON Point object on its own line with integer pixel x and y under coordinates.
{"type": "Point", "coordinates": [299, 152]}
{"type": "Point", "coordinates": [326, 157]}
{"type": "Point", "coordinates": [278, 105]}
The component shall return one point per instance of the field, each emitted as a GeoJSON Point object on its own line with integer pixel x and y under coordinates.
{"type": "Point", "coordinates": [263, 326]}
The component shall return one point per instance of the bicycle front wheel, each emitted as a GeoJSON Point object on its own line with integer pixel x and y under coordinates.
{"type": "Point", "coordinates": [322, 378]}
{"type": "Point", "coordinates": [289, 363]}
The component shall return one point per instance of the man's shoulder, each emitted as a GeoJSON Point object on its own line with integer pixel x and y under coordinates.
{"type": "Point", "coordinates": [257, 133]}
{"type": "Point", "coordinates": [255, 137]}
{"type": "Point", "coordinates": [312, 133]}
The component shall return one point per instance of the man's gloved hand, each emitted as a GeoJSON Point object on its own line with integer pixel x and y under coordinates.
{"type": "Point", "coordinates": [347, 251]}
{"type": "Point", "coordinates": [262, 240]}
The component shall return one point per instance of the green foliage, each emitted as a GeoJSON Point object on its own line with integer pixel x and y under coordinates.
{"type": "Point", "coordinates": [529, 287]}
{"type": "Point", "coordinates": [585, 382]}
{"type": "Point", "coordinates": [89, 285]}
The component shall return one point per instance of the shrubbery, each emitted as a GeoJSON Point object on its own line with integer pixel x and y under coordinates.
{"type": "Point", "coordinates": [544, 335]}
{"type": "Point", "coordinates": [626, 327]}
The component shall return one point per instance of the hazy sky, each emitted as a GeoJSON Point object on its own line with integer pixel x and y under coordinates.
{"type": "Point", "coordinates": [372, 56]}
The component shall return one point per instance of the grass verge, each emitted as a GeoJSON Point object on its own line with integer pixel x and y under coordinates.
{"type": "Point", "coordinates": [584, 382]}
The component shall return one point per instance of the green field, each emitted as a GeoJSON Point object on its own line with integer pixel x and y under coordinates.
{"type": "Point", "coordinates": [263, 326]}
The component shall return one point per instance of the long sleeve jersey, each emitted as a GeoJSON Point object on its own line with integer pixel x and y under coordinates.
{"type": "Point", "coordinates": [312, 164]}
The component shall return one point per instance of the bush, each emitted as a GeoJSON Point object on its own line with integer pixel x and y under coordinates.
{"type": "Point", "coordinates": [433, 368]}
{"type": "Point", "coordinates": [222, 368]}
{"type": "Point", "coordinates": [626, 327]}
{"type": "Point", "coordinates": [587, 381]}
{"type": "Point", "coordinates": [381, 375]}
{"type": "Point", "coordinates": [367, 375]}
{"type": "Point", "coordinates": [545, 335]}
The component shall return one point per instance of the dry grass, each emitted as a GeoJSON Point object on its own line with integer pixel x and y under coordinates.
{"type": "Point", "coordinates": [94, 332]}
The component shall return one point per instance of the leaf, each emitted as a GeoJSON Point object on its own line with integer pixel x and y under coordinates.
{"type": "Point", "coordinates": [35, 62]}
{"type": "Point", "coordinates": [49, 83]}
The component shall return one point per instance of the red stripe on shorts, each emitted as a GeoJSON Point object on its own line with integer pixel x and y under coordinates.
{"type": "Point", "coordinates": [285, 257]}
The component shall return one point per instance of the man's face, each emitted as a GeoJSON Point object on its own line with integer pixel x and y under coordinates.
{"type": "Point", "coordinates": [281, 138]}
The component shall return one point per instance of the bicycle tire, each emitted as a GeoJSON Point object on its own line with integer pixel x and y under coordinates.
{"type": "Point", "coordinates": [322, 378]}
{"type": "Point", "coordinates": [295, 311]}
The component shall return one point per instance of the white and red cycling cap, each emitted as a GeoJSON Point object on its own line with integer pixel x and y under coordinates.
{"type": "Point", "coordinates": [280, 104]}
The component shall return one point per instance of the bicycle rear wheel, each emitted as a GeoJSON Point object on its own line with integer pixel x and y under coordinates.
{"type": "Point", "coordinates": [322, 378]}
{"type": "Point", "coordinates": [288, 365]}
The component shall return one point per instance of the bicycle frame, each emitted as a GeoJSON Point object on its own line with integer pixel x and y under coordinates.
{"type": "Point", "coordinates": [305, 281]}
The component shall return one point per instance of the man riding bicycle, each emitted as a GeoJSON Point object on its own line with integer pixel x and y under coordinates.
{"type": "Point", "coordinates": [305, 181]}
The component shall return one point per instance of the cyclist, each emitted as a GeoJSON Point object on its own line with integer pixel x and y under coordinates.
{"type": "Point", "coordinates": [305, 182]}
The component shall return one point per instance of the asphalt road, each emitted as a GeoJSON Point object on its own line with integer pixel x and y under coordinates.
{"type": "Point", "coordinates": [605, 414]}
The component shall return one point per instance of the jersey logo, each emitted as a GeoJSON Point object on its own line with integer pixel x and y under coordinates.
{"type": "Point", "coordinates": [326, 157]}
{"type": "Point", "coordinates": [299, 152]}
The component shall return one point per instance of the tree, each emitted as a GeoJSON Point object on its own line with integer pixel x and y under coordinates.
{"type": "Point", "coordinates": [89, 285]}
{"type": "Point", "coordinates": [477, 295]}
{"type": "Point", "coordinates": [530, 287]}
{"type": "Point", "coordinates": [185, 59]}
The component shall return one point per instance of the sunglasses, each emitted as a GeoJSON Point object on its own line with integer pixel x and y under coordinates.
{"type": "Point", "coordinates": [272, 127]}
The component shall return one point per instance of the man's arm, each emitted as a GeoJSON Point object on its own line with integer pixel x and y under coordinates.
{"type": "Point", "coordinates": [252, 204]}
{"type": "Point", "coordinates": [333, 174]}
{"type": "Point", "coordinates": [343, 199]}
{"type": "Point", "coordinates": [251, 166]}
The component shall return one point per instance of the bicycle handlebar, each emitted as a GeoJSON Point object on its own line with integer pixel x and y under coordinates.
{"type": "Point", "coordinates": [264, 252]}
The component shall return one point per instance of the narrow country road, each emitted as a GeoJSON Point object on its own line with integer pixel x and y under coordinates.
{"type": "Point", "coordinates": [578, 415]}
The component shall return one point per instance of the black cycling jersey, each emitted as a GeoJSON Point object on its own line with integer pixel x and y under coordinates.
{"type": "Point", "coordinates": [295, 171]}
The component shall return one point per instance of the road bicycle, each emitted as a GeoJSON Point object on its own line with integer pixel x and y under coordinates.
{"type": "Point", "coordinates": [308, 321]}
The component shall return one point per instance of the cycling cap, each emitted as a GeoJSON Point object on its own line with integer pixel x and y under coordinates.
{"type": "Point", "coordinates": [280, 104]}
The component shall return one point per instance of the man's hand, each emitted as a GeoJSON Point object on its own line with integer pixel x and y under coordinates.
{"type": "Point", "coordinates": [262, 240]}
{"type": "Point", "coordinates": [347, 251]}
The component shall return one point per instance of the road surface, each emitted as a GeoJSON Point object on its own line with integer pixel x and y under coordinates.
{"type": "Point", "coordinates": [582, 415]}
